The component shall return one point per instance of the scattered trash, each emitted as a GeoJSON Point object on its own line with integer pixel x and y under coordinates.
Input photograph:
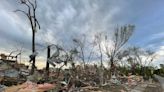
{"type": "Point", "coordinates": [114, 80]}
{"type": "Point", "coordinates": [2, 88]}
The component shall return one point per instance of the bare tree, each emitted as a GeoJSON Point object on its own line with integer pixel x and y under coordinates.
{"type": "Point", "coordinates": [98, 41]}
{"type": "Point", "coordinates": [31, 15]}
{"type": "Point", "coordinates": [82, 45]}
{"type": "Point", "coordinates": [142, 57]}
{"type": "Point", "coordinates": [120, 38]}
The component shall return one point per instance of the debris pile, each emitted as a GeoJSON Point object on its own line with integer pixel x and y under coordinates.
{"type": "Point", "coordinates": [18, 79]}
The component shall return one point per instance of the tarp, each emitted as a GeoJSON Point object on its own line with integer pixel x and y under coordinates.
{"type": "Point", "coordinates": [12, 73]}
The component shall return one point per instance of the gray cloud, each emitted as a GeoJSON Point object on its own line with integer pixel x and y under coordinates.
{"type": "Point", "coordinates": [60, 21]}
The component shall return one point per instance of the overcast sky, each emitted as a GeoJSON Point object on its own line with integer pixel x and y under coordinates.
{"type": "Point", "coordinates": [62, 20]}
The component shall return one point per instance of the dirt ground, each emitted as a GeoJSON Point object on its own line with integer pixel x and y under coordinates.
{"type": "Point", "coordinates": [154, 88]}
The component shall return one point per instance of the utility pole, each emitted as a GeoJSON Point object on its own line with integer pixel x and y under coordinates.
{"type": "Point", "coordinates": [48, 56]}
